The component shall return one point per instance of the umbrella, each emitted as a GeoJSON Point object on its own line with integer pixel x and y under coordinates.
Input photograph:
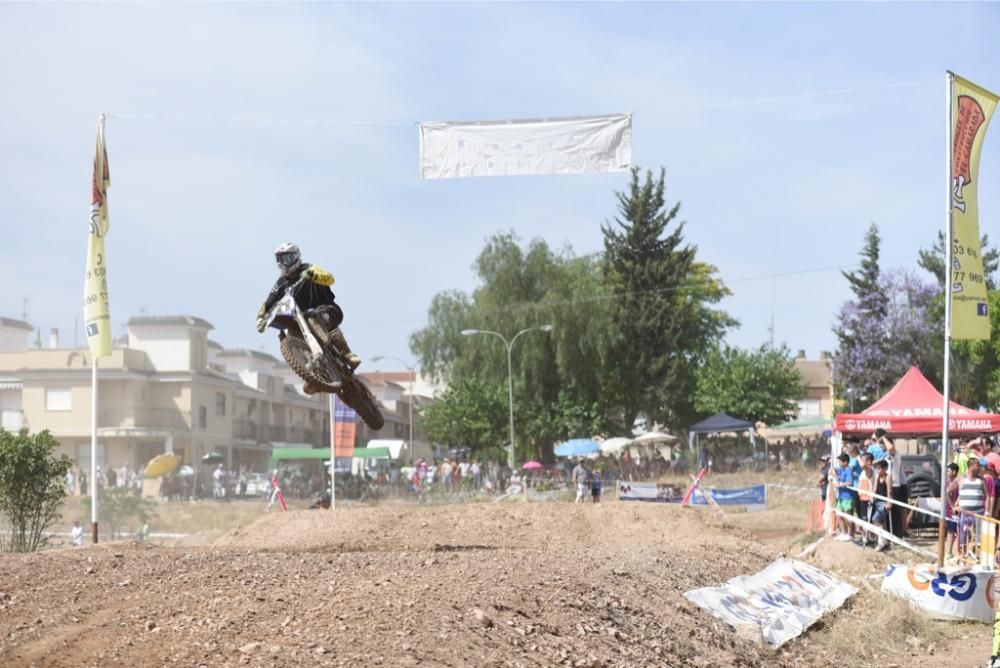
{"type": "Point", "coordinates": [651, 437]}
{"type": "Point", "coordinates": [213, 458]}
{"type": "Point", "coordinates": [531, 465]}
{"type": "Point", "coordinates": [161, 465]}
{"type": "Point", "coordinates": [614, 445]}
{"type": "Point", "coordinates": [185, 471]}
{"type": "Point", "coordinates": [577, 447]}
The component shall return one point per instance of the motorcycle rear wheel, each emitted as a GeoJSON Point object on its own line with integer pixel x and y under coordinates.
{"type": "Point", "coordinates": [356, 395]}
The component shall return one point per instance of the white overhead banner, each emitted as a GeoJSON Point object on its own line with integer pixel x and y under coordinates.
{"type": "Point", "coordinates": [781, 601]}
{"type": "Point", "coordinates": [451, 149]}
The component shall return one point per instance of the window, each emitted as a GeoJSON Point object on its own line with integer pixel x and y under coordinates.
{"type": "Point", "coordinates": [808, 408]}
{"type": "Point", "coordinates": [58, 399]}
{"type": "Point", "coordinates": [220, 403]}
{"type": "Point", "coordinates": [202, 417]}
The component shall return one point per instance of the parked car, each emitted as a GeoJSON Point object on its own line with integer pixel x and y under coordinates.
{"type": "Point", "coordinates": [257, 485]}
{"type": "Point", "coordinates": [923, 476]}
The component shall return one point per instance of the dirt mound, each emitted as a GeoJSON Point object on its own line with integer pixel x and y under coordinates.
{"type": "Point", "coordinates": [478, 584]}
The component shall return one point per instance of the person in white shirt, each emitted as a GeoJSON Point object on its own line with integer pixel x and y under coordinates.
{"type": "Point", "coordinates": [76, 534]}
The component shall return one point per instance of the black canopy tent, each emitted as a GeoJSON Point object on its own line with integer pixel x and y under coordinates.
{"type": "Point", "coordinates": [722, 423]}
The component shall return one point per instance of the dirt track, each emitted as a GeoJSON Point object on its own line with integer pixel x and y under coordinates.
{"type": "Point", "coordinates": [484, 584]}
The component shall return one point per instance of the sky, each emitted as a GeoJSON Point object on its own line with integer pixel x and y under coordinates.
{"type": "Point", "coordinates": [785, 129]}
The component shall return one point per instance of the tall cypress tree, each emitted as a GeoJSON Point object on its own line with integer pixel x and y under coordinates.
{"type": "Point", "coordinates": [660, 308]}
{"type": "Point", "coordinates": [861, 363]}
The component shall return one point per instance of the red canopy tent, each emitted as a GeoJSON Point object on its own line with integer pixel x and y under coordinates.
{"type": "Point", "coordinates": [914, 407]}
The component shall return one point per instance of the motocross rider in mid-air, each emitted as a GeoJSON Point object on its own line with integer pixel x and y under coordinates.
{"type": "Point", "coordinates": [314, 292]}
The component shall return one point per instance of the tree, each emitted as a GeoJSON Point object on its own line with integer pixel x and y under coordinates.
{"type": "Point", "coordinates": [471, 412]}
{"type": "Point", "coordinates": [933, 259]}
{"type": "Point", "coordinates": [661, 312]}
{"type": "Point", "coordinates": [559, 376]}
{"type": "Point", "coordinates": [120, 508]}
{"type": "Point", "coordinates": [32, 486]}
{"type": "Point", "coordinates": [860, 361]}
{"type": "Point", "coordinates": [886, 329]}
{"type": "Point", "coordinates": [760, 385]}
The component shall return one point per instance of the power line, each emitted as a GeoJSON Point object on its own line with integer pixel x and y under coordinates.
{"type": "Point", "coordinates": [691, 285]}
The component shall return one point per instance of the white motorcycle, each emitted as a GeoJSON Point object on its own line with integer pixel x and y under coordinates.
{"type": "Point", "coordinates": [306, 346]}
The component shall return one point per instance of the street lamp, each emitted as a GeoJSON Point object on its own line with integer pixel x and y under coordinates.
{"type": "Point", "coordinates": [850, 394]}
{"type": "Point", "coordinates": [510, 375]}
{"type": "Point", "coordinates": [411, 368]}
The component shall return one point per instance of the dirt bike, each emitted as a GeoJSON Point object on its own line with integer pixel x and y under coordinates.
{"type": "Point", "coordinates": [306, 346]}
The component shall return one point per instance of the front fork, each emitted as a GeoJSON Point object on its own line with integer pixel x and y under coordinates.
{"type": "Point", "coordinates": [319, 355]}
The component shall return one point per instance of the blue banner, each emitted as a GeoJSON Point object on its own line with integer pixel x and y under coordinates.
{"type": "Point", "coordinates": [740, 496]}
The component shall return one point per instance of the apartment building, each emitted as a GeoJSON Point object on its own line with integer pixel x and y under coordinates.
{"type": "Point", "coordinates": [166, 388]}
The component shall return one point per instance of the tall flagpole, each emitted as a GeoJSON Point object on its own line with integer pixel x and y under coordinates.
{"type": "Point", "coordinates": [333, 451]}
{"type": "Point", "coordinates": [93, 446]}
{"type": "Point", "coordinates": [950, 82]}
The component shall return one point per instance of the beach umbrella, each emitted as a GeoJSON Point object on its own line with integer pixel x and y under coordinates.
{"type": "Point", "coordinates": [577, 447]}
{"type": "Point", "coordinates": [532, 465]}
{"type": "Point", "coordinates": [653, 437]}
{"type": "Point", "coordinates": [161, 465]}
{"type": "Point", "coordinates": [613, 446]}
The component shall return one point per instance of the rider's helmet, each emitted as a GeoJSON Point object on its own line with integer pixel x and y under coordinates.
{"type": "Point", "coordinates": [288, 258]}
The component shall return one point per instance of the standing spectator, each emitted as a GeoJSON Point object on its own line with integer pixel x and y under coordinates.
{"type": "Point", "coordinates": [76, 534]}
{"type": "Point", "coordinates": [880, 513]}
{"type": "Point", "coordinates": [595, 485]}
{"type": "Point", "coordinates": [900, 490]}
{"type": "Point", "coordinates": [824, 476]}
{"type": "Point", "coordinates": [865, 485]}
{"type": "Point", "coordinates": [446, 475]}
{"type": "Point", "coordinates": [476, 471]}
{"type": "Point", "coordinates": [112, 477]}
{"type": "Point", "coordinates": [845, 496]}
{"type": "Point", "coordinates": [218, 482]}
{"type": "Point", "coordinates": [70, 482]}
{"type": "Point", "coordinates": [875, 445]}
{"type": "Point", "coordinates": [972, 500]}
{"type": "Point", "coordinates": [950, 523]}
{"type": "Point", "coordinates": [83, 484]}
{"type": "Point", "coordinates": [580, 479]}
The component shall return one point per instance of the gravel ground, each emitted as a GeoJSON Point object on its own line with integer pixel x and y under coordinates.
{"type": "Point", "coordinates": [481, 584]}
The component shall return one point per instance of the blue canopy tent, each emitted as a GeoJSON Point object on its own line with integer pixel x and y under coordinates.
{"type": "Point", "coordinates": [577, 447]}
{"type": "Point", "coordinates": [718, 424]}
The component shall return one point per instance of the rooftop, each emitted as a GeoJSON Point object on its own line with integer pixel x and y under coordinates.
{"type": "Point", "coordinates": [246, 352]}
{"type": "Point", "coordinates": [186, 320]}
{"type": "Point", "coordinates": [11, 323]}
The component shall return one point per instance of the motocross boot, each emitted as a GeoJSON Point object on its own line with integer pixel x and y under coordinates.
{"type": "Point", "coordinates": [338, 340]}
{"type": "Point", "coordinates": [311, 387]}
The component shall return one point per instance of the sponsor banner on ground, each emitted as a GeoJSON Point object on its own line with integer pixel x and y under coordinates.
{"type": "Point", "coordinates": [781, 601]}
{"type": "Point", "coordinates": [740, 496]}
{"type": "Point", "coordinates": [945, 593]}
{"type": "Point", "coordinates": [649, 491]}
{"type": "Point", "coordinates": [753, 497]}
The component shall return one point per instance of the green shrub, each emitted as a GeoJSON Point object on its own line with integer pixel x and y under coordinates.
{"type": "Point", "coordinates": [32, 487]}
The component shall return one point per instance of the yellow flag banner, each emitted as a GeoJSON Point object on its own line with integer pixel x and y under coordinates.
{"type": "Point", "coordinates": [971, 108]}
{"type": "Point", "coordinates": [96, 310]}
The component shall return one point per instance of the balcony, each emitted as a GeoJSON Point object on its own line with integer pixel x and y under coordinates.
{"type": "Point", "coordinates": [144, 418]}
{"type": "Point", "coordinates": [12, 419]}
{"type": "Point", "coordinates": [298, 434]}
{"type": "Point", "coordinates": [275, 433]}
{"type": "Point", "coordinates": [245, 429]}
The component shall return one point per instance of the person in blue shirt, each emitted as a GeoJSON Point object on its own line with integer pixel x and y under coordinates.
{"type": "Point", "coordinates": [875, 447]}
{"type": "Point", "coordinates": [845, 496]}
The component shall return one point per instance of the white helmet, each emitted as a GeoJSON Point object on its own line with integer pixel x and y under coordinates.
{"type": "Point", "coordinates": [288, 258]}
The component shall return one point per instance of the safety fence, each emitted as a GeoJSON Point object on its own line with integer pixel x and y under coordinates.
{"type": "Point", "coordinates": [975, 534]}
